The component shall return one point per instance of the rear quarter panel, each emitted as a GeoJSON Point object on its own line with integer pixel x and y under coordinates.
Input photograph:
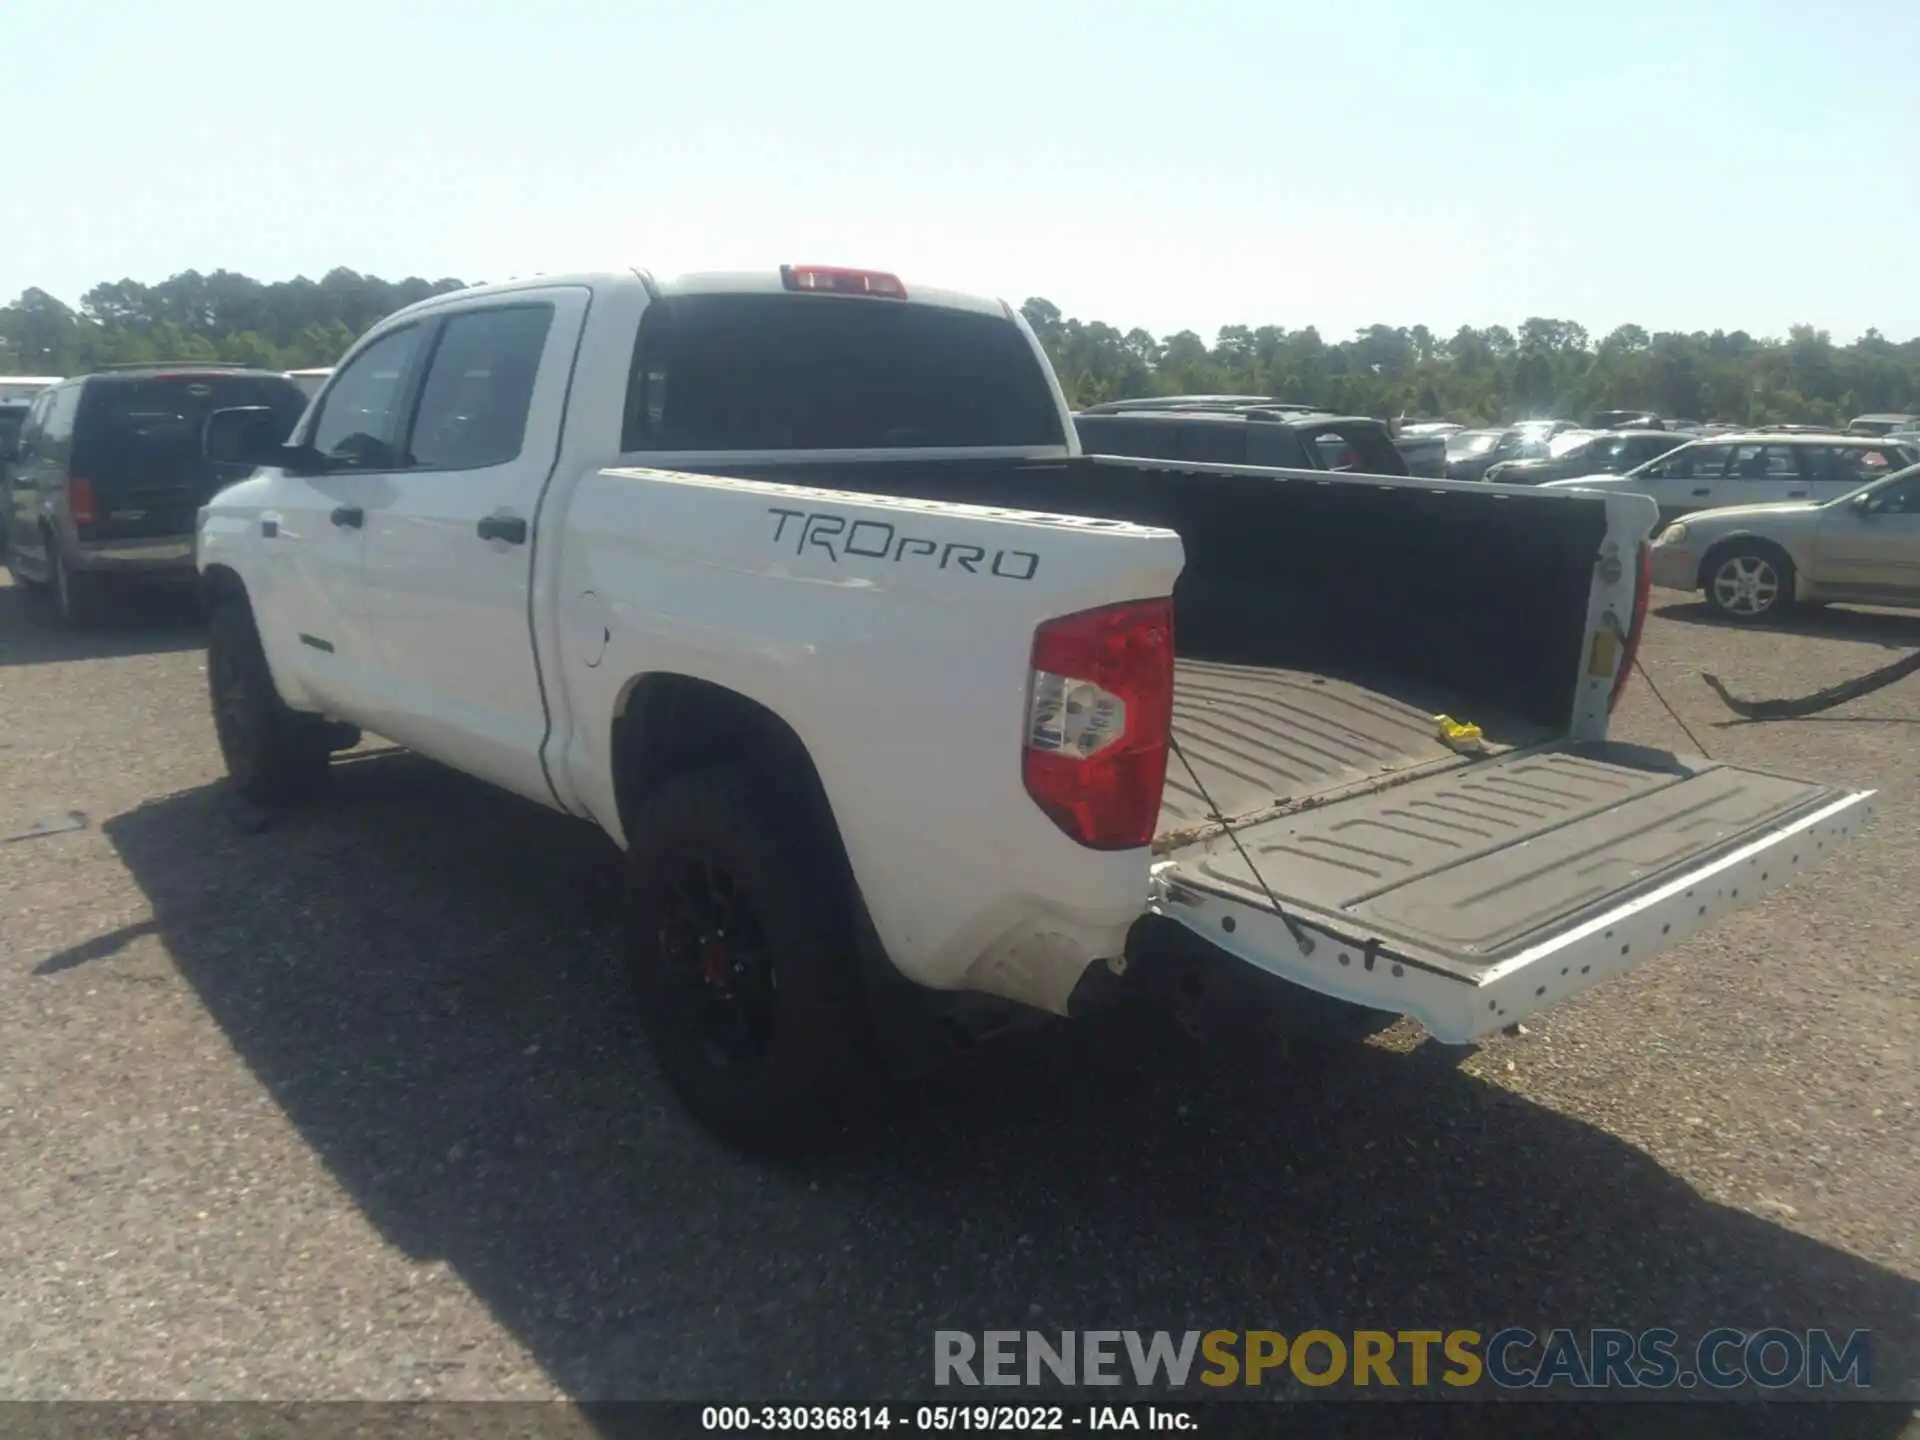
{"type": "Point", "coordinates": [903, 672]}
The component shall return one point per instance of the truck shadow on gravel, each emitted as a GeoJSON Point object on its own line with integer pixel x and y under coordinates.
{"type": "Point", "coordinates": [132, 624]}
{"type": "Point", "coordinates": [424, 975]}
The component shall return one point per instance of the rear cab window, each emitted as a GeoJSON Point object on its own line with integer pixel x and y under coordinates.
{"type": "Point", "coordinates": [817, 372]}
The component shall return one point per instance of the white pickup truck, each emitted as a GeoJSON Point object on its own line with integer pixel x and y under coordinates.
{"type": "Point", "coordinates": [797, 585]}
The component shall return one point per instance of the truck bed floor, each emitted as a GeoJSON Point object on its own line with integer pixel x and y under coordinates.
{"type": "Point", "coordinates": [1259, 738]}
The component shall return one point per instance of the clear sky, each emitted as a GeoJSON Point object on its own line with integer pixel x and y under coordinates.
{"type": "Point", "coordinates": [1684, 165]}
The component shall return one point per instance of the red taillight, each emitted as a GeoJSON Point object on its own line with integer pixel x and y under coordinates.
{"type": "Point", "coordinates": [837, 280]}
{"type": "Point", "coordinates": [1099, 720]}
{"type": "Point", "coordinates": [1642, 594]}
{"type": "Point", "coordinates": [80, 503]}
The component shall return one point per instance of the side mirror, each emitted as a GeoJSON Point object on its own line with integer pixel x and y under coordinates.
{"type": "Point", "coordinates": [243, 435]}
{"type": "Point", "coordinates": [250, 436]}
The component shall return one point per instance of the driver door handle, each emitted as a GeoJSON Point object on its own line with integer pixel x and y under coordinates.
{"type": "Point", "coordinates": [348, 517]}
{"type": "Point", "coordinates": [510, 528]}
{"type": "Point", "coordinates": [1703, 492]}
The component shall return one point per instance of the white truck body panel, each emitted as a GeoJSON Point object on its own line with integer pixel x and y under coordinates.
{"type": "Point", "coordinates": [962, 873]}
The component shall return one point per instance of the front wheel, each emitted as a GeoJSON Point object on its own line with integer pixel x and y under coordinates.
{"type": "Point", "coordinates": [743, 961]}
{"type": "Point", "coordinates": [1749, 583]}
{"type": "Point", "coordinates": [275, 755]}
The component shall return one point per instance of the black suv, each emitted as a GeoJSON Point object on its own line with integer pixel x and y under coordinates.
{"type": "Point", "coordinates": [1238, 430]}
{"type": "Point", "coordinates": [107, 477]}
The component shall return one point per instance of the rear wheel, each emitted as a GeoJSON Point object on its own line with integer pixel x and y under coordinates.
{"type": "Point", "coordinates": [1749, 583]}
{"type": "Point", "coordinates": [743, 961]}
{"type": "Point", "coordinates": [76, 593]}
{"type": "Point", "coordinates": [275, 755]}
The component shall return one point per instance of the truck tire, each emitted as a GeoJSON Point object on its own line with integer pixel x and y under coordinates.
{"type": "Point", "coordinates": [76, 593]}
{"type": "Point", "coordinates": [743, 962]}
{"type": "Point", "coordinates": [275, 755]}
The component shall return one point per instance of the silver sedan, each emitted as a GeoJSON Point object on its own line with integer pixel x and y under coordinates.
{"type": "Point", "coordinates": [1754, 562]}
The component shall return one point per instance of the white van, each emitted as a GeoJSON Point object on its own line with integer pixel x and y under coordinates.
{"type": "Point", "coordinates": [1754, 468]}
{"type": "Point", "coordinates": [21, 389]}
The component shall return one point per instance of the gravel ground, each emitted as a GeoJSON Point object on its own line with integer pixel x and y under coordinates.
{"type": "Point", "coordinates": [352, 1108]}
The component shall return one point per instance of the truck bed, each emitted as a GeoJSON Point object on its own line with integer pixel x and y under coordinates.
{"type": "Point", "coordinates": [1266, 740]}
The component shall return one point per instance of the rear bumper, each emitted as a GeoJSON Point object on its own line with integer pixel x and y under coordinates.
{"type": "Point", "coordinates": [1675, 568]}
{"type": "Point", "coordinates": [1457, 1005]}
{"type": "Point", "coordinates": [161, 556]}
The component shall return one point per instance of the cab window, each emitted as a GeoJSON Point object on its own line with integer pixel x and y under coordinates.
{"type": "Point", "coordinates": [479, 388]}
{"type": "Point", "coordinates": [361, 413]}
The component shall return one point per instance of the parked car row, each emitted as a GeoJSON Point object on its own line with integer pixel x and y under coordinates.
{"type": "Point", "coordinates": [1472, 453]}
{"type": "Point", "coordinates": [1762, 520]}
{"type": "Point", "coordinates": [1585, 452]}
{"type": "Point", "coordinates": [1754, 468]}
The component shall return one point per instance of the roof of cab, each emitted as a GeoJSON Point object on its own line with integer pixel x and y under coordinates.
{"type": "Point", "coordinates": [706, 282]}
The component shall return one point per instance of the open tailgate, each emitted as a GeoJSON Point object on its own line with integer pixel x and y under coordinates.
{"type": "Point", "coordinates": [1473, 898]}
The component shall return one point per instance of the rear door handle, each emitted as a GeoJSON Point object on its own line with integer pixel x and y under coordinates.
{"type": "Point", "coordinates": [1796, 494]}
{"type": "Point", "coordinates": [510, 528]}
{"type": "Point", "coordinates": [1703, 492]}
{"type": "Point", "coordinates": [348, 517]}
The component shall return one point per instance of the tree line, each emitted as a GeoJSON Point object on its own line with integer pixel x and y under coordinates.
{"type": "Point", "coordinates": [1486, 375]}
{"type": "Point", "coordinates": [279, 325]}
{"type": "Point", "coordinates": [1477, 375]}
